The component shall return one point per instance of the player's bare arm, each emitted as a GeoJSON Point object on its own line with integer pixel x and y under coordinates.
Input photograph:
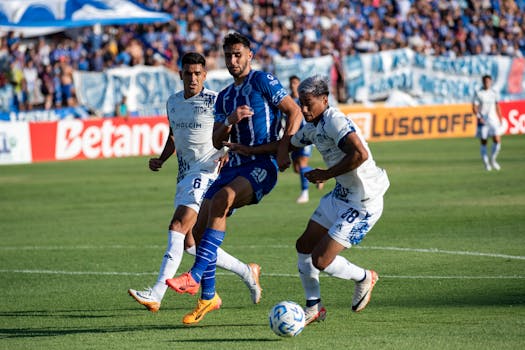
{"type": "Point", "coordinates": [268, 148]}
{"type": "Point", "coordinates": [293, 123]}
{"type": "Point", "coordinates": [498, 111]}
{"type": "Point", "coordinates": [169, 148]}
{"type": "Point", "coordinates": [356, 154]}
{"type": "Point", "coordinates": [221, 131]}
{"type": "Point", "coordinates": [475, 109]}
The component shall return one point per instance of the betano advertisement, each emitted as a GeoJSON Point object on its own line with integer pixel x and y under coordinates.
{"type": "Point", "coordinates": [23, 142]}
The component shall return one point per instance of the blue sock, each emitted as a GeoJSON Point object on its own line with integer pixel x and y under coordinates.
{"type": "Point", "coordinates": [206, 252]}
{"type": "Point", "coordinates": [208, 281]}
{"type": "Point", "coordinates": [304, 181]}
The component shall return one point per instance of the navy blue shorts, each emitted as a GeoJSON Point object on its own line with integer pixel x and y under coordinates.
{"type": "Point", "coordinates": [262, 175]}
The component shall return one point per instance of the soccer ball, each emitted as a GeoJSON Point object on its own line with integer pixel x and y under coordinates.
{"type": "Point", "coordinates": [287, 319]}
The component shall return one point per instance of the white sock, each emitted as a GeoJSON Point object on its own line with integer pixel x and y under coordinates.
{"type": "Point", "coordinates": [309, 276]}
{"type": "Point", "coordinates": [192, 250]}
{"type": "Point", "coordinates": [344, 269]}
{"type": "Point", "coordinates": [484, 155]}
{"type": "Point", "coordinates": [496, 146]}
{"type": "Point", "coordinates": [170, 262]}
{"type": "Point", "coordinates": [231, 263]}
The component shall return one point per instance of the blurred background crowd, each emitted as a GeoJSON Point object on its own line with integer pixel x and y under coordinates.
{"type": "Point", "coordinates": [40, 70]}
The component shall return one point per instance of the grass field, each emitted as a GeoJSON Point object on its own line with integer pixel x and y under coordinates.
{"type": "Point", "coordinates": [450, 251]}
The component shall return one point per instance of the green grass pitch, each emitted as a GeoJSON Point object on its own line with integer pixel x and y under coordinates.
{"type": "Point", "coordinates": [449, 249]}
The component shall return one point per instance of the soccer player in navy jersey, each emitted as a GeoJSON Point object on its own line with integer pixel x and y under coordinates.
{"type": "Point", "coordinates": [191, 118]}
{"type": "Point", "coordinates": [247, 112]}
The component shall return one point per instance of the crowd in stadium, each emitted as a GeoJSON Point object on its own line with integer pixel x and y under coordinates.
{"type": "Point", "coordinates": [39, 71]}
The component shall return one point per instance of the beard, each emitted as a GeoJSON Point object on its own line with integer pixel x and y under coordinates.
{"type": "Point", "coordinates": [241, 69]}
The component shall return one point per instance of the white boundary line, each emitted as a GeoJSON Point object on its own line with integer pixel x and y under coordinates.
{"type": "Point", "coordinates": [401, 249]}
{"type": "Point", "coordinates": [451, 252]}
{"type": "Point", "coordinates": [115, 273]}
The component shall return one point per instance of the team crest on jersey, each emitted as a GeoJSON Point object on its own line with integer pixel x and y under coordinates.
{"type": "Point", "coordinates": [247, 90]}
{"type": "Point", "coordinates": [269, 76]}
{"type": "Point", "coordinates": [209, 100]}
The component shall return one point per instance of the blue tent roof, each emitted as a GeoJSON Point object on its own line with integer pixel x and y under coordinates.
{"type": "Point", "coordinates": [16, 14]}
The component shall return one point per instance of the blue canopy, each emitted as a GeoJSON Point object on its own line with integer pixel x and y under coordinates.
{"type": "Point", "coordinates": [56, 15]}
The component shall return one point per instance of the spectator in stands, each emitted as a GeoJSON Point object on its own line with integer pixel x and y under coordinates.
{"type": "Point", "coordinates": [6, 94]}
{"type": "Point", "coordinates": [121, 109]}
{"type": "Point", "coordinates": [66, 82]}
{"type": "Point", "coordinates": [291, 29]}
{"type": "Point", "coordinates": [47, 87]}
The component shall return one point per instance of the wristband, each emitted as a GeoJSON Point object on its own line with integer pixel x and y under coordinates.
{"type": "Point", "coordinates": [227, 123]}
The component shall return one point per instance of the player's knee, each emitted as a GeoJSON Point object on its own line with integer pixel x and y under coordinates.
{"type": "Point", "coordinates": [176, 225]}
{"type": "Point", "coordinates": [221, 204]}
{"type": "Point", "coordinates": [306, 243]}
{"type": "Point", "coordinates": [320, 262]}
{"type": "Point", "coordinates": [300, 246]}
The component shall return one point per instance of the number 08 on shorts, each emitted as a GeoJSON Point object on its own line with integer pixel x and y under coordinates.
{"type": "Point", "coordinates": [347, 222]}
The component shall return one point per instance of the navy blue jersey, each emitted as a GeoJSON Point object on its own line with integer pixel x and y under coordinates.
{"type": "Point", "coordinates": [263, 93]}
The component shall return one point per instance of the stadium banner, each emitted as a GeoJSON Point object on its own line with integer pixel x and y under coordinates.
{"type": "Point", "coordinates": [303, 68]}
{"type": "Point", "coordinates": [412, 123]}
{"type": "Point", "coordinates": [45, 114]}
{"type": "Point", "coordinates": [513, 117]}
{"type": "Point", "coordinates": [15, 144]}
{"type": "Point", "coordinates": [218, 79]}
{"type": "Point", "coordinates": [427, 122]}
{"type": "Point", "coordinates": [430, 79]}
{"type": "Point", "coordinates": [97, 138]}
{"type": "Point", "coordinates": [146, 88]}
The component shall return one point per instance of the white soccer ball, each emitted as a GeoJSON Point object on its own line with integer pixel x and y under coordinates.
{"type": "Point", "coordinates": [287, 319]}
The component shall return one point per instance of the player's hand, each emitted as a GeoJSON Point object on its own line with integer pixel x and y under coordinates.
{"type": "Point", "coordinates": [316, 176]}
{"type": "Point", "coordinates": [241, 113]}
{"type": "Point", "coordinates": [283, 154]}
{"type": "Point", "coordinates": [155, 164]}
{"type": "Point", "coordinates": [481, 121]}
{"type": "Point", "coordinates": [283, 160]}
{"type": "Point", "coordinates": [238, 148]}
{"type": "Point", "coordinates": [222, 161]}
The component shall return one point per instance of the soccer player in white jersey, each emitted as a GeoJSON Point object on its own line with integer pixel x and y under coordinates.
{"type": "Point", "coordinates": [346, 214]}
{"type": "Point", "coordinates": [191, 119]}
{"type": "Point", "coordinates": [485, 107]}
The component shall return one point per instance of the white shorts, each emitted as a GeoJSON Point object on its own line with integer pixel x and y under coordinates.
{"type": "Point", "coordinates": [489, 129]}
{"type": "Point", "coordinates": [347, 222]}
{"type": "Point", "coordinates": [191, 189]}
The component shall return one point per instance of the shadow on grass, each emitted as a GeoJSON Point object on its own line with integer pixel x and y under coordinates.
{"type": "Point", "coordinates": [55, 332]}
{"type": "Point", "coordinates": [228, 340]}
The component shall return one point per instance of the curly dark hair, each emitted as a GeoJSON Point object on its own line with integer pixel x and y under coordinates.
{"type": "Point", "coordinates": [235, 38]}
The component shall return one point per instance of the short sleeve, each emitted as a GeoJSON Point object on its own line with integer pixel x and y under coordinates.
{"type": "Point", "coordinates": [338, 127]}
{"type": "Point", "coordinates": [271, 88]}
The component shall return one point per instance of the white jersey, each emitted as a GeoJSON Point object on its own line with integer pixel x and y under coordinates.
{"type": "Point", "coordinates": [191, 121]}
{"type": "Point", "coordinates": [364, 183]}
{"type": "Point", "coordinates": [486, 100]}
